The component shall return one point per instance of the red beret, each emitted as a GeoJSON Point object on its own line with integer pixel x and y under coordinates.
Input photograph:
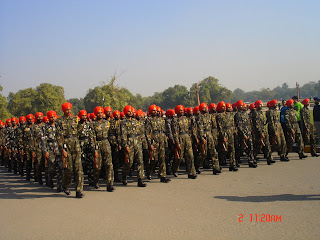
{"type": "Point", "coordinates": [126, 109]}
{"type": "Point", "coordinates": [289, 102]}
{"type": "Point", "coordinates": [239, 103]}
{"type": "Point", "coordinates": [39, 114]}
{"type": "Point", "coordinates": [82, 112]}
{"type": "Point", "coordinates": [305, 101]}
{"type": "Point", "coordinates": [22, 118]}
{"type": "Point", "coordinates": [258, 103]}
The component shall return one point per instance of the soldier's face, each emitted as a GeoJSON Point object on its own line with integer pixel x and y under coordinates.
{"type": "Point", "coordinates": [181, 112]}
{"type": "Point", "coordinates": [99, 115]}
{"type": "Point", "coordinates": [108, 113]}
{"type": "Point", "coordinates": [205, 109]}
{"type": "Point", "coordinates": [22, 122]}
{"type": "Point", "coordinates": [13, 122]}
{"type": "Point", "coordinates": [117, 116]}
{"type": "Point", "coordinates": [67, 112]}
{"type": "Point", "coordinates": [223, 108]}
{"type": "Point", "coordinates": [154, 112]}
{"type": "Point", "coordinates": [30, 121]}
{"type": "Point", "coordinates": [52, 119]}
{"type": "Point", "coordinates": [129, 113]}
{"type": "Point", "coordinates": [84, 117]}
{"type": "Point", "coordinates": [39, 119]}
{"type": "Point", "coordinates": [260, 107]}
{"type": "Point", "coordinates": [9, 124]}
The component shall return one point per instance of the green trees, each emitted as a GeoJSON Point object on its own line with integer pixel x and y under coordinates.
{"type": "Point", "coordinates": [4, 113]}
{"type": "Point", "coordinates": [43, 98]}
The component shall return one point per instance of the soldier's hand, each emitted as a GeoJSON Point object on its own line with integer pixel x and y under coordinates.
{"type": "Point", "coordinates": [276, 134]}
{"type": "Point", "coordinates": [179, 147]}
{"type": "Point", "coordinates": [120, 148]}
{"type": "Point", "coordinates": [16, 150]}
{"type": "Point", "coordinates": [46, 155]}
{"type": "Point", "coordinates": [224, 139]}
{"type": "Point", "coordinates": [64, 153]}
{"type": "Point", "coordinates": [262, 135]}
{"type": "Point", "coordinates": [9, 151]}
{"type": "Point", "coordinates": [204, 141]}
{"type": "Point", "coordinates": [96, 154]}
{"type": "Point", "coordinates": [245, 137]}
{"type": "Point", "coordinates": [292, 131]}
{"type": "Point", "coordinates": [127, 149]}
{"type": "Point", "coordinates": [151, 147]}
{"type": "Point", "coordinates": [22, 152]}
{"type": "Point", "coordinates": [308, 130]}
{"type": "Point", "coordinates": [33, 154]}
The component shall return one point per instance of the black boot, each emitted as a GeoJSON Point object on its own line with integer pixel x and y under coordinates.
{"type": "Point", "coordinates": [198, 171]}
{"type": "Point", "coordinates": [270, 160]}
{"type": "Point", "coordinates": [165, 180]}
{"type": "Point", "coordinates": [192, 176]}
{"type": "Point", "coordinates": [79, 195]}
{"type": "Point", "coordinates": [233, 168]}
{"type": "Point", "coordinates": [110, 188]}
{"type": "Point", "coordinates": [66, 191]}
{"type": "Point", "coordinates": [301, 155]}
{"type": "Point", "coordinates": [314, 155]}
{"type": "Point", "coordinates": [124, 181]}
{"type": "Point", "coordinates": [284, 159]}
{"type": "Point", "coordinates": [141, 183]}
{"type": "Point", "coordinates": [215, 171]}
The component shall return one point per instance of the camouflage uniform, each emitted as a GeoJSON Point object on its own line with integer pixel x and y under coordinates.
{"type": "Point", "coordinates": [180, 129]}
{"type": "Point", "coordinates": [170, 146]}
{"type": "Point", "coordinates": [100, 130]}
{"type": "Point", "coordinates": [291, 122]}
{"type": "Point", "coordinates": [115, 142]}
{"type": "Point", "coordinates": [53, 162]}
{"type": "Point", "coordinates": [276, 134]}
{"type": "Point", "coordinates": [259, 129]}
{"type": "Point", "coordinates": [2, 145]}
{"type": "Point", "coordinates": [12, 144]}
{"type": "Point", "coordinates": [37, 132]}
{"type": "Point", "coordinates": [68, 140]}
{"type": "Point", "coordinates": [26, 144]}
{"type": "Point", "coordinates": [155, 134]}
{"type": "Point", "coordinates": [86, 141]}
{"type": "Point", "coordinates": [145, 149]}
{"type": "Point", "coordinates": [241, 119]}
{"type": "Point", "coordinates": [206, 124]}
{"type": "Point", "coordinates": [225, 125]}
{"type": "Point", "coordinates": [193, 133]}
{"type": "Point", "coordinates": [308, 131]}
{"type": "Point", "coordinates": [131, 138]}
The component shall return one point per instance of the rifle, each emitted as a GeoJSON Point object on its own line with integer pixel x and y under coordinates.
{"type": "Point", "coordinates": [151, 154]}
{"type": "Point", "coordinates": [64, 157]}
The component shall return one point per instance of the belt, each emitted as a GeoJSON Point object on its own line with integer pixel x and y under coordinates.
{"type": "Point", "coordinates": [182, 133]}
{"type": "Point", "coordinates": [207, 130]}
{"type": "Point", "coordinates": [132, 135]}
{"type": "Point", "coordinates": [157, 132]}
{"type": "Point", "coordinates": [83, 138]}
{"type": "Point", "coordinates": [70, 136]}
{"type": "Point", "coordinates": [101, 139]}
{"type": "Point", "coordinates": [51, 140]}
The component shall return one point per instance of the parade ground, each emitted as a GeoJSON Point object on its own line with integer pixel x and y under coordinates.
{"type": "Point", "coordinates": [281, 201]}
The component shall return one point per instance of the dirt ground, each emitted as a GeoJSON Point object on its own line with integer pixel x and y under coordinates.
{"type": "Point", "coordinates": [209, 207]}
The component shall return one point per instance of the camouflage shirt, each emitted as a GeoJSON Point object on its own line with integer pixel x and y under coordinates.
{"type": "Point", "coordinates": [129, 128]}
{"type": "Point", "coordinates": [50, 139]}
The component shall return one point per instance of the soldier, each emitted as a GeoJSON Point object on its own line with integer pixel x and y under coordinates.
{"type": "Point", "coordinates": [276, 135]}
{"type": "Point", "coordinates": [2, 142]}
{"type": "Point", "coordinates": [206, 124]}
{"type": "Point", "coordinates": [87, 145]}
{"type": "Point", "coordinates": [20, 159]}
{"type": "Point", "coordinates": [157, 143]}
{"type": "Point", "coordinates": [9, 137]}
{"type": "Point", "coordinates": [308, 133]}
{"type": "Point", "coordinates": [115, 143]}
{"type": "Point", "coordinates": [261, 137]}
{"type": "Point", "coordinates": [293, 129]}
{"type": "Point", "coordinates": [131, 143]}
{"type": "Point", "coordinates": [51, 151]}
{"type": "Point", "coordinates": [183, 143]}
{"type": "Point", "coordinates": [170, 146]}
{"type": "Point", "coordinates": [244, 134]}
{"type": "Point", "coordinates": [37, 132]}
{"type": "Point", "coordinates": [145, 149]}
{"type": "Point", "coordinates": [27, 145]}
{"type": "Point", "coordinates": [226, 136]}
{"type": "Point", "coordinates": [101, 128]}
{"type": "Point", "coordinates": [68, 141]}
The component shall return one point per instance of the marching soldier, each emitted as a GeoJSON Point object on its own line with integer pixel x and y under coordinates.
{"type": "Point", "coordinates": [171, 143]}
{"type": "Point", "coordinates": [37, 131]}
{"type": "Point", "coordinates": [68, 141]}
{"type": "Point", "coordinates": [308, 133]}
{"type": "Point", "coordinates": [276, 135]}
{"type": "Point", "coordinates": [131, 143]}
{"type": "Point", "coordinates": [226, 136]}
{"type": "Point", "coordinates": [87, 145]}
{"type": "Point", "coordinates": [183, 143]}
{"type": "Point", "coordinates": [157, 143]}
{"type": "Point", "coordinates": [206, 124]}
{"type": "Point", "coordinates": [261, 137]}
{"type": "Point", "coordinates": [101, 128]}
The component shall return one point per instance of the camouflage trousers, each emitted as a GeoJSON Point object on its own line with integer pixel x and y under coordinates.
{"type": "Point", "coordinates": [38, 164]}
{"type": "Point", "coordinates": [115, 158]}
{"type": "Point", "coordinates": [105, 159]}
{"type": "Point", "coordinates": [208, 152]}
{"type": "Point", "coordinates": [54, 168]}
{"type": "Point", "coordinates": [87, 162]}
{"type": "Point", "coordinates": [169, 156]}
{"type": "Point", "coordinates": [229, 150]}
{"type": "Point", "coordinates": [296, 138]}
{"type": "Point", "coordinates": [245, 146]}
{"type": "Point", "coordinates": [186, 153]}
{"type": "Point", "coordinates": [135, 155]}
{"type": "Point", "coordinates": [158, 155]}
{"type": "Point", "coordinates": [263, 145]}
{"type": "Point", "coordinates": [278, 142]}
{"type": "Point", "coordinates": [28, 160]}
{"type": "Point", "coordinates": [73, 165]}
{"type": "Point", "coordinates": [309, 137]}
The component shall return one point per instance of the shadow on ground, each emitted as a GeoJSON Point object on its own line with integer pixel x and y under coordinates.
{"type": "Point", "coordinates": [272, 198]}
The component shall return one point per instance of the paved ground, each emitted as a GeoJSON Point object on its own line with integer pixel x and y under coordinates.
{"type": "Point", "coordinates": [206, 208]}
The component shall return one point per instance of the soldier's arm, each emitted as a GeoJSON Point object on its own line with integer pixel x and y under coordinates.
{"type": "Point", "coordinates": [175, 131]}
{"type": "Point", "coordinates": [124, 140]}
{"type": "Point", "coordinates": [148, 130]}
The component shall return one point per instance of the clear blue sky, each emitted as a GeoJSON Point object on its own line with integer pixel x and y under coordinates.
{"type": "Point", "coordinates": [156, 44]}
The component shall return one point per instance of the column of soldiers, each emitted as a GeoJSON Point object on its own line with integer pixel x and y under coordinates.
{"type": "Point", "coordinates": [106, 144]}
